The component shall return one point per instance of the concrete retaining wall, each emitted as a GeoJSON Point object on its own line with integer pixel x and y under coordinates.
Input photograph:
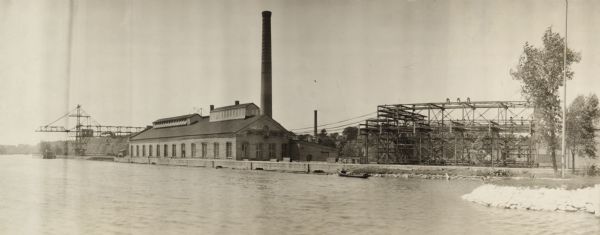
{"type": "Point", "coordinates": [310, 166]}
{"type": "Point", "coordinates": [281, 166]}
{"type": "Point", "coordinates": [139, 160]}
{"type": "Point", "coordinates": [201, 163]}
{"type": "Point", "coordinates": [242, 165]}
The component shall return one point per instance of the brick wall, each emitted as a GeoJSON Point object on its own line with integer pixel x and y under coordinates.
{"type": "Point", "coordinates": [306, 151]}
{"type": "Point", "coordinates": [222, 141]}
{"type": "Point", "coordinates": [236, 146]}
{"type": "Point", "coordinates": [253, 139]}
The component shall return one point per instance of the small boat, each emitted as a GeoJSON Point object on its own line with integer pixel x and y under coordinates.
{"type": "Point", "coordinates": [352, 175]}
{"type": "Point", "coordinates": [48, 155]}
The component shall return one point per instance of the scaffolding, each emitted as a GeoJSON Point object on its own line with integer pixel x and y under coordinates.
{"type": "Point", "coordinates": [491, 133]}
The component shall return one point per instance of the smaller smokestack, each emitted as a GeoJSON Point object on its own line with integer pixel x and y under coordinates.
{"type": "Point", "coordinates": [237, 102]}
{"type": "Point", "coordinates": [212, 107]}
{"type": "Point", "coordinates": [316, 137]}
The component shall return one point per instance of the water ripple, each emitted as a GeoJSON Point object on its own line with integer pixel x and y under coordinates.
{"type": "Point", "coordinates": [87, 197]}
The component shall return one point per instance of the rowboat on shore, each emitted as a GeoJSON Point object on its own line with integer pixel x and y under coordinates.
{"type": "Point", "coordinates": [353, 175]}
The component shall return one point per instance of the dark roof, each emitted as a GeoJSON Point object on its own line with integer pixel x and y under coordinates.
{"type": "Point", "coordinates": [201, 127]}
{"type": "Point", "coordinates": [233, 107]}
{"type": "Point", "coordinates": [176, 118]}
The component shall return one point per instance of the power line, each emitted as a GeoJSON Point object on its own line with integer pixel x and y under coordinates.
{"type": "Point", "coordinates": [336, 127]}
{"type": "Point", "coordinates": [337, 122]}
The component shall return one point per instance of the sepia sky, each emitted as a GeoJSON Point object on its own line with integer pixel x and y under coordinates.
{"type": "Point", "coordinates": [134, 61]}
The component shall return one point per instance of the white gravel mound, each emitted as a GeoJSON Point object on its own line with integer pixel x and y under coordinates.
{"type": "Point", "coordinates": [585, 199]}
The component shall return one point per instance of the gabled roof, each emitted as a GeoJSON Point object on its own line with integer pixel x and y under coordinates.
{"type": "Point", "coordinates": [176, 118]}
{"type": "Point", "coordinates": [202, 127]}
{"type": "Point", "coordinates": [234, 107]}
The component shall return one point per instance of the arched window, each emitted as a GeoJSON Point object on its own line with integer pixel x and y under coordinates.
{"type": "Point", "coordinates": [216, 150]}
{"type": "Point", "coordinates": [259, 151]}
{"type": "Point", "coordinates": [193, 147]}
{"type": "Point", "coordinates": [245, 150]}
{"type": "Point", "coordinates": [228, 153]}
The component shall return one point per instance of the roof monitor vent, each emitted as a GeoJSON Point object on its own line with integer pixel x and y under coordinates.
{"type": "Point", "coordinates": [232, 112]}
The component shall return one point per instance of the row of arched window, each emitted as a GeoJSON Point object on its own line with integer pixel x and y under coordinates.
{"type": "Point", "coordinates": [260, 151]}
{"type": "Point", "coordinates": [162, 150]}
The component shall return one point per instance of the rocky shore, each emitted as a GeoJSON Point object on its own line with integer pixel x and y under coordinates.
{"type": "Point", "coordinates": [429, 176]}
{"type": "Point", "coordinates": [542, 199]}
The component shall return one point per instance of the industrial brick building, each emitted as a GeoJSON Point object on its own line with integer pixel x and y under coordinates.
{"type": "Point", "coordinates": [236, 132]}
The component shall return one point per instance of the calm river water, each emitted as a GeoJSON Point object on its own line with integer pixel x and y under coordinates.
{"type": "Point", "coordinates": [90, 197]}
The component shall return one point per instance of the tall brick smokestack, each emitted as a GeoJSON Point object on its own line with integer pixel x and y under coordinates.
{"type": "Point", "coordinates": [266, 95]}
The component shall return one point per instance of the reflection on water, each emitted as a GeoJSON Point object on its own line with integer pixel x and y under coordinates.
{"type": "Point", "coordinates": [88, 197]}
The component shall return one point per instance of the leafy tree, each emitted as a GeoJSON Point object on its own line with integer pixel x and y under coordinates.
{"type": "Point", "coordinates": [334, 136]}
{"type": "Point", "coordinates": [323, 133]}
{"type": "Point", "coordinates": [581, 116]}
{"type": "Point", "coordinates": [349, 150]}
{"type": "Point", "coordinates": [350, 133]}
{"type": "Point", "coordinates": [541, 72]}
{"type": "Point", "coordinates": [345, 144]}
{"type": "Point", "coordinates": [324, 139]}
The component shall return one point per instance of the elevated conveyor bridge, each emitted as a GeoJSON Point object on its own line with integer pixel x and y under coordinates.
{"type": "Point", "coordinates": [86, 128]}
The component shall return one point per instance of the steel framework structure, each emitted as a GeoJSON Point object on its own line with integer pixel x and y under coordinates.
{"type": "Point", "coordinates": [492, 133]}
{"type": "Point", "coordinates": [84, 129]}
